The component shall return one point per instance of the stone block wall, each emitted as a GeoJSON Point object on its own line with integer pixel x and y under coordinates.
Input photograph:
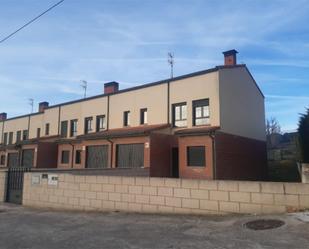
{"type": "Point", "coordinates": [3, 175]}
{"type": "Point", "coordinates": [164, 195]}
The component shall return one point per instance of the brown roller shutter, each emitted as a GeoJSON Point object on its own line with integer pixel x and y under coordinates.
{"type": "Point", "coordinates": [97, 156]}
{"type": "Point", "coordinates": [130, 155]}
{"type": "Point", "coordinates": [27, 158]}
{"type": "Point", "coordinates": [13, 160]}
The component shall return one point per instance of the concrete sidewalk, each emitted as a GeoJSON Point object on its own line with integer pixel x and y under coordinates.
{"type": "Point", "coordinates": [42, 229]}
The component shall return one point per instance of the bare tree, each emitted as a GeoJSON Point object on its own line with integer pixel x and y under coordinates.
{"type": "Point", "coordinates": [272, 126]}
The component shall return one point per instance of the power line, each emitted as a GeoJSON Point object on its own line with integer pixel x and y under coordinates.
{"type": "Point", "coordinates": [31, 21]}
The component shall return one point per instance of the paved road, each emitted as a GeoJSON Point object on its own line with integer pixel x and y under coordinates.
{"type": "Point", "coordinates": [29, 228]}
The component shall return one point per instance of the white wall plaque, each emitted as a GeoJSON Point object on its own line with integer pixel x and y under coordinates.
{"type": "Point", "coordinates": [53, 180]}
{"type": "Point", "coordinates": [35, 179]}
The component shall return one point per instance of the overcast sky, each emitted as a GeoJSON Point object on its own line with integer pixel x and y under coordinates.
{"type": "Point", "coordinates": [128, 41]}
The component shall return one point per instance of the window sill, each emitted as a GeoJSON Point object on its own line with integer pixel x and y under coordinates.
{"type": "Point", "coordinates": [207, 125]}
{"type": "Point", "coordinates": [199, 167]}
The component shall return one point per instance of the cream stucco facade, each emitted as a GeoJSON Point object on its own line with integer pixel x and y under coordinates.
{"type": "Point", "coordinates": [209, 124]}
{"type": "Point", "coordinates": [235, 103]}
{"type": "Point", "coordinates": [242, 109]}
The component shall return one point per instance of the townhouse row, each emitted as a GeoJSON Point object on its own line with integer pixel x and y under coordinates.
{"type": "Point", "coordinates": [209, 124]}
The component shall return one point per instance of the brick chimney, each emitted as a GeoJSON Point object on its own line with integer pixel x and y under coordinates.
{"type": "Point", "coordinates": [111, 87]}
{"type": "Point", "coordinates": [43, 106]}
{"type": "Point", "coordinates": [230, 58]}
{"type": "Point", "coordinates": [3, 116]}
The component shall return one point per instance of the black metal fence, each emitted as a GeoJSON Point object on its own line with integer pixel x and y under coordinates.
{"type": "Point", "coordinates": [15, 182]}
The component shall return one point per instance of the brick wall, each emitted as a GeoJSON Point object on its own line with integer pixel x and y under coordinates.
{"type": "Point", "coordinates": [166, 195]}
{"type": "Point", "coordinates": [240, 158]}
{"type": "Point", "coordinates": [3, 175]}
{"type": "Point", "coordinates": [186, 171]}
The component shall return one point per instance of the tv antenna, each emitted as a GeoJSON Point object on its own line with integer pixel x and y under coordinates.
{"type": "Point", "coordinates": [31, 101]}
{"type": "Point", "coordinates": [170, 61]}
{"type": "Point", "coordinates": [84, 85]}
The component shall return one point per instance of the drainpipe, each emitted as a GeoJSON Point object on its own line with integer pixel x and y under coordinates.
{"type": "Point", "coordinates": [59, 116]}
{"type": "Point", "coordinates": [214, 161]}
{"type": "Point", "coordinates": [29, 121]}
{"type": "Point", "coordinates": [72, 156]}
{"type": "Point", "coordinates": [2, 134]}
{"type": "Point", "coordinates": [107, 114]}
{"type": "Point", "coordinates": [112, 152]}
{"type": "Point", "coordinates": [168, 102]}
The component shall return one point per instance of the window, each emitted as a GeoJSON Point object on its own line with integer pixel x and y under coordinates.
{"type": "Point", "coordinates": [78, 157]}
{"type": "Point", "coordinates": [126, 118]}
{"type": "Point", "coordinates": [65, 156]}
{"type": "Point", "coordinates": [201, 112]}
{"type": "Point", "coordinates": [73, 128]}
{"type": "Point", "coordinates": [196, 156]}
{"type": "Point", "coordinates": [143, 116]}
{"type": "Point", "coordinates": [180, 115]}
{"type": "Point", "coordinates": [18, 136]}
{"type": "Point", "coordinates": [88, 125]}
{"type": "Point", "coordinates": [64, 129]}
{"type": "Point", "coordinates": [2, 160]}
{"type": "Point", "coordinates": [38, 132]}
{"type": "Point", "coordinates": [5, 138]}
{"type": "Point", "coordinates": [11, 138]}
{"type": "Point", "coordinates": [25, 134]}
{"type": "Point", "coordinates": [47, 129]}
{"type": "Point", "coordinates": [100, 123]}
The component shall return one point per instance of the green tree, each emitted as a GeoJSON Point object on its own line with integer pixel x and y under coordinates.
{"type": "Point", "coordinates": [303, 137]}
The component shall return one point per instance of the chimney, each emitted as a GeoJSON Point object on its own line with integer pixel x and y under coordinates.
{"type": "Point", "coordinates": [3, 116]}
{"type": "Point", "coordinates": [43, 106]}
{"type": "Point", "coordinates": [111, 87]}
{"type": "Point", "coordinates": [230, 58]}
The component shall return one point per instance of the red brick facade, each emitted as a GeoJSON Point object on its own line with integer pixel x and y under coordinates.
{"type": "Point", "coordinates": [112, 144]}
{"type": "Point", "coordinates": [160, 154]}
{"type": "Point", "coordinates": [186, 171]}
{"type": "Point", "coordinates": [240, 158]}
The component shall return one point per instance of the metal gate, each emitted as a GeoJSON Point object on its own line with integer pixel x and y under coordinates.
{"type": "Point", "coordinates": [27, 158]}
{"type": "Point", "coordinates": [13, 160]}
{"type": "Point", "coordinates": [15, 182]}
{"type": "Point", "coordinates": [130, 155]}
{"type": "Point", "coordinates": [97, 156]}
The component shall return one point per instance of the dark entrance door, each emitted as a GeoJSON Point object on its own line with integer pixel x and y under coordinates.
{"type": "Point", "coordinates": [130, 155]}
{"type": "Point", "coordinates": [27, 158]}
{"type": "Point", "coordinates": [97, 156]}
{"type": "Point", "coordinates": [13, 160]}
{"type": "Point", "coordinates": [15, 184]}
{"type": "Point", "coordinates": [175, 162]}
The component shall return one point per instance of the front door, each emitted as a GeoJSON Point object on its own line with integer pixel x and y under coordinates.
{"type": "Point", "coordinates": [175, 162]}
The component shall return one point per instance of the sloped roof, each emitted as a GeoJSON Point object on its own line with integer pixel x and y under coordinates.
{"type": "Point", "coordinates": [124, 132]}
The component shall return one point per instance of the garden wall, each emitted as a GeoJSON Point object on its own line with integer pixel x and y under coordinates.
{"type": "Point", "coordinates": [161, 195]}
{"type": "Point", "coordinates": [3, 175]}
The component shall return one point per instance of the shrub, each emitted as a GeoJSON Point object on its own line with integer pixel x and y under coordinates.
{"type": "Point", "coordinates": [303, 137]}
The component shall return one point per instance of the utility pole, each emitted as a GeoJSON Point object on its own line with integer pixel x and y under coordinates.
{"type": "Point", "coordinates": [84, 85]}
{"type": "Point", "coordinates": [31, 101]}
{"type": "Point", "coordinates": [170, 61]}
